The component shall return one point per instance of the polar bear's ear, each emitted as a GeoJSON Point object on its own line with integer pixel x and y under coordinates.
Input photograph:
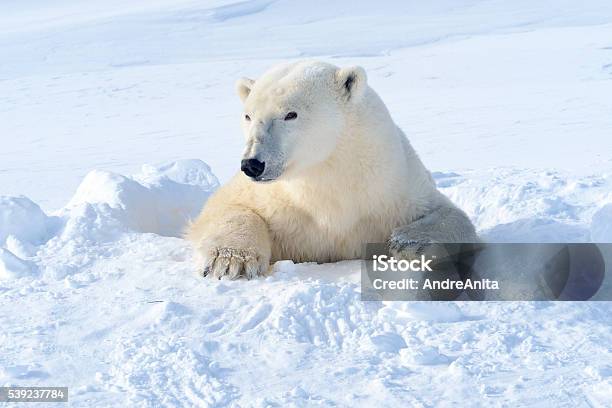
{"type": "Point", "coordinates": [352, 82]}
{"type": "Point", "coordinates": [243, 87]}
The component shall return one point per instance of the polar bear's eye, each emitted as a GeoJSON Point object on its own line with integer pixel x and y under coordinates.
{"type": "Point", "coordinates": [291, 116]}
{"type": "Point", "coordinates": [247, 118]}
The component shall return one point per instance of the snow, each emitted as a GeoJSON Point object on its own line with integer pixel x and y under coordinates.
{"type": "Point", "coordinates": [22, 219]}
{"type": "Point", "coordinates": [12, 267]}
{"type": "Point", "coordinates": [507, 102]}
{"type": "Point", "coordinates": [601, 226]}
{"type": "Point", "coordinates": [160, 200]}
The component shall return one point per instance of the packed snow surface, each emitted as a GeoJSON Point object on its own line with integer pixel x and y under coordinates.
{"type": "Point", "coordinates": [508, 103]}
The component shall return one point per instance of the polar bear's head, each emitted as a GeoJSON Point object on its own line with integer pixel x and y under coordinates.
{"type": "Point", "coordinates": [294, 115]}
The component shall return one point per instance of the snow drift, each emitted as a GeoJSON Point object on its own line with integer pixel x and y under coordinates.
{"type": "Point", "coordinates": [159, 200]}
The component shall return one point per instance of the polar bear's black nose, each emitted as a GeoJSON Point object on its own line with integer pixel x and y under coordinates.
{"type": "Point", "coordinates": [252, 167]}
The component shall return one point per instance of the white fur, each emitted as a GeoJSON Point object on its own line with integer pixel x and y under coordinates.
{"type": "Point", "coordinates": [340, 175]}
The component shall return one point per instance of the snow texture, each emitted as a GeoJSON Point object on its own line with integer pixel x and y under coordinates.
{"type": "Point", "coordinates": [508, 102]}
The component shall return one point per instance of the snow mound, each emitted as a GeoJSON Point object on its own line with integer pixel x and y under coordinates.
{"type": "Point", "coordinates": [22, 249]}
{"type": "Point", "coordinates": [12, 267]}
{"type": "Point", "coordinates": [522, 205]}
{"type": "Point", "coordinates": [106, 206]}
{"type": "Point", "coordinates": [192, 172]}
{"type": "Point", "coordinates": [537, 230]}
{"type": "Point", "coordinates": [160, 200]}
{"type": "Point", "coordinates": [24, 220]}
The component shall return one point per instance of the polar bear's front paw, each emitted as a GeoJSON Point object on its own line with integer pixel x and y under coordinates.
{"type": "Point", "coordinates": [232, 263]}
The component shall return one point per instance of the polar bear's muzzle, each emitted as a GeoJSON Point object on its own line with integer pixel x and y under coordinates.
{"type": "Point", "coordinates": [263, 159]}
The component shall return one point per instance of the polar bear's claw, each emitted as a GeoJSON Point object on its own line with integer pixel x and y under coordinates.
{"type": "Point", "coordinates": [252, 269]}
{"type": "Point", "coordinates": [231, 263]}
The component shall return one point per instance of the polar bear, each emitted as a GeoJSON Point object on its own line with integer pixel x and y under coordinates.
{"type": "Point", "coordinates": [325, 170]}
